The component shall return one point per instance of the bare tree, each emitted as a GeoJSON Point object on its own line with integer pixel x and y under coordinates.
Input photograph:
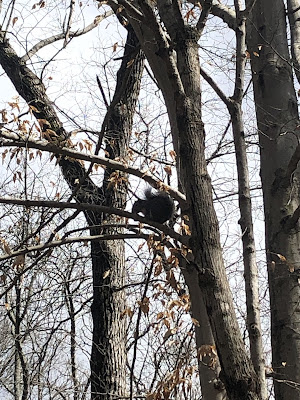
{"type": "Point", "coordinates": [168, 34]}
{"type": "Point", "coordinates": [108, 355]}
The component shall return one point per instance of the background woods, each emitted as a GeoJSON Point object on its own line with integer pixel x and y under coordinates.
{"type": "Point", "coordinates": [99, 101]}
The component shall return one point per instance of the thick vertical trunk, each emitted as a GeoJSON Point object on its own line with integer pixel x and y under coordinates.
{"type": "Point", "coordinates": [108, 358]}
{"type": "Point", "coordinates": [277, 118]}
{"type": "Point", "coordinates": [237, 371]}
{"type": "Point", "coordinates": [179, 79]}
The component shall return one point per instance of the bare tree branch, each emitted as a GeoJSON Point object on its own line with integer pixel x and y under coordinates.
{"type": "Point", "coordinates": [66, 152]}
{"type": "Point", "coordinates": [69, 23]}
{"type": "Point", "coordinates": [206, 9]}
{"type": "Point", "coordinates": [95, 208]}
{"type": "Point", "coordinates": [61, 36]}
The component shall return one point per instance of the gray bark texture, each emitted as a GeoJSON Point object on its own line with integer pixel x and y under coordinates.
{"type": "Point", "coordinates": [277, 117]}
{"type": "Point", "coordinates": [249, 251]}
{"type": "Point", "coordinates": [178, 77]}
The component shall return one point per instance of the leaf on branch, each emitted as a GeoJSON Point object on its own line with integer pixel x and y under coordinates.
{"type": "Point", "coordinates": [88, 145]}
{"type": "Point", "coordinates": [5, 246]}
{"type": "Point", "coordinates": [41, 4]}
{"type": "Point", "coordinates": [168, 170]}
{"type": "Point", "coordinates": [4, 115]}
{"type": "Point", "coordinates": [128, 311]}
{"type": "Point", "coordinates": [160, 315]}
{"type": "Point", "coordinates": [169, 333]}
{"type": "Point", "coordinates": [49, 134]}
{"type": "Point", "coordinates": [171, 280]}
{"type": "Point", "coordinates": [115, 46]}
{"type": "Point", "coordinates": [116, 180]}
{"type": "Point", "coordinates": [166, 322]}
{"type": "Point", "coordinates": [34, 109]}
{"type": "Point", "coordinates": [43, 122]}
{"type": "Point", "coordinates": [144, 305]}
{"type": "Point", "coordinates": [291, 268]}
{"type": "Point", "coordinates": [158, 267]}
{"type": "Point", "coordinates": [173, 155]}
{"type": "Point", "coordinates": [173, 260]}
{"type": "Point", "coordinates": [14, 153]}
{"type": "Point", "coordinates": [22, 126]}
{"type": "Point", "coordinates": [14, 105]}
{"type": "Point", "coordinates": [14, 20]}
{"type": "Point", "coordinates": [4, 155]}
{"type": "Point", "coordinates": [37, 127]}
{"type": "Point", "coordinates": [185, 229]}
{"type": "Point", "coordinates": [174, 303]}
{"type": "Point", "coordinates": [195, 322]}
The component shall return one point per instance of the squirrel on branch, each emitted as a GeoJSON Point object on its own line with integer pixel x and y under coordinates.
{"type": "Point", "coordinates": [157, 207]}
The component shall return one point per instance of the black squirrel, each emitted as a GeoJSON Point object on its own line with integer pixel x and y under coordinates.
{"type": "Point", "coordinates": [157, 207]}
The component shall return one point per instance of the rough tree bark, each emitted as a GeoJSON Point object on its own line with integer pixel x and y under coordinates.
{"type": "Point", "coordinates": [178, 76]}
{"type": "Point", "coordinates": [277, 118]}
{"type": "Point", "coordinates": [108, 358]}
{"type": "Point", "coordinates": [234, 105]}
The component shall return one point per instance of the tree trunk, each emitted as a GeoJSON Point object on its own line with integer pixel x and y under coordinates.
{"type": "Point", "coordinates": [211, 385]}
{"type": "Point", "coordinates": [178, 76]}
{"type": "Point", "coordinates": [108, 357]}
{"type": "Point", "coordinates": [277, 118]}
{"type": "Point", "coordinates": [109, 333]}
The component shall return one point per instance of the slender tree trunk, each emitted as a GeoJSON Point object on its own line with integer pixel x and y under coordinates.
{"type": "Point", "coordinates": [249, 251]}
{"type": "Point", "coordinates": [277, 119]}
{"type": "Point", "coordinates": [246, 222]}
